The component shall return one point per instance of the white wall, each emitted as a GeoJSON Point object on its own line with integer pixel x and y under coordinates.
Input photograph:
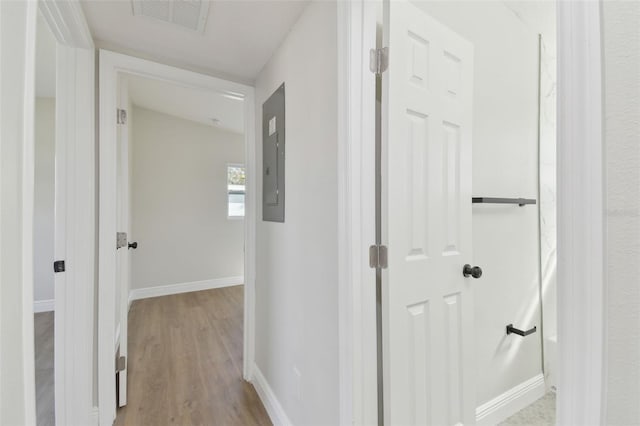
{"type": "Point", "coordinates": [179, 201]}
{"type": "Point", "coordinates": [297, 264]}
{"type": "Point", "coordinates": [505, 238]}
{"type": "Point", "coordinates": [621, 37]}
{"type": "Point", "coordinates": [44, 199]}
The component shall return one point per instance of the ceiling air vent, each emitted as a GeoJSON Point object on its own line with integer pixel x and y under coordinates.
{"type": "Point", "coordinates": [191, 14]}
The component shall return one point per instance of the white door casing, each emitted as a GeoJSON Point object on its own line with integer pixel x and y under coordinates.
{"type": "Point", "coordinates": [17, 58]}
{"type": "Point", "coordinates": [123, 225]}
{"type": "Point", "coordinates": [356, 226]}
{"type": "Point", "coordinates": [582, 230]}
{"type": "Point", "coordinates": [427, 303]}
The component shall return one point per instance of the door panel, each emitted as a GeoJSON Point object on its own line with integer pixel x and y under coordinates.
{"type": "Point", "coordinates": [122, 256]}
{"type": "Point", "coordinates": [428, 304]}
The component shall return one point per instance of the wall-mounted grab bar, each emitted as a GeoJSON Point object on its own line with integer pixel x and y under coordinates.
{"type": "Point", "coordinates": [489, 200]}
{"type": "Point", "coordinates": [523, 333]}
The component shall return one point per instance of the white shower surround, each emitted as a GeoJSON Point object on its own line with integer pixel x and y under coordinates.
{"type": "Point", "coordinates": [548, 234]}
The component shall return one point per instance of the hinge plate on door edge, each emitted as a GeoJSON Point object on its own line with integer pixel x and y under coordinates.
{"type": "Point", "coordinates": [379, 60]}
{"type": "Point", "coordinates": [121, 363]}
{"type": "Point", "coordinates": [378, 257]}
{"type": "Point", "coordinates": [121, 240]}
{"type": "Point", "coordinates": [121, 117]}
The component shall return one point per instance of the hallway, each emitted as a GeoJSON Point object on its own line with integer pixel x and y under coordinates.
{"type": "Point", "coordinates": [185, 362]}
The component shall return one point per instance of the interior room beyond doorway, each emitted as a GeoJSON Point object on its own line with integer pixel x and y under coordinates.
{"type": "Point", "coordinates": [181, 198]}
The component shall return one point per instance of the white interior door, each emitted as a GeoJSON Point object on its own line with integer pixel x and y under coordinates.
{"type": "Point", "coordinates": [122, 223]}
{"type": "Point", "coordinates": [427, 303]}
{"type": "Point", "coordinates": [61, 216]}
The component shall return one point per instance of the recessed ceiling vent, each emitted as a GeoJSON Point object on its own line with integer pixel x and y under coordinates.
{"type": "Point", "coordinates": [191, 14]}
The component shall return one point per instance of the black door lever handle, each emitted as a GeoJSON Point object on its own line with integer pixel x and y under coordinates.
{"type": "Point", "coordinates": [133, 245]}
{"type": "Point", "coordinates": [474, 271]}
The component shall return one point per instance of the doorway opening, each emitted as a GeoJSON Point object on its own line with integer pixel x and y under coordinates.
{"type": "Point", "coordinates": [181, 201]}
{"type": "Point", "coordinates": [181, 169]}
{"type": "Point", "coordinates": [468, 212]}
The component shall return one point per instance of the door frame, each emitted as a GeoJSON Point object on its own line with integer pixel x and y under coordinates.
{"type": "Point", "coordinates": [356, 22]}
{"type": "Point", "coordinates": [581, 229]}
{"type": "Point", "coordinates": [111, 64]}
{"type": "Point", "coordinates": [75, 218]}
{"type": "Point", "coordinates": [17, 165]}
{"type": "Point", "coordinates": [581, 226]}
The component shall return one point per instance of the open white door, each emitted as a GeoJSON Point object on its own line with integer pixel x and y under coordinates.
{"type": "Point", "coordinates": [427, 302]}
{"type": "Point", "coordinates": [122, 256]}
{"type": "Point", "coordinates": [62, 339]}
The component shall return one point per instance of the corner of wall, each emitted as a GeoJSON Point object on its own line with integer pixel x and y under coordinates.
{"type": "Point", "coordinates": [271, 403]}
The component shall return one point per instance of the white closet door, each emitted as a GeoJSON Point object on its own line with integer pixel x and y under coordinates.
{"type": "Point", "coordinates": [427, 303]}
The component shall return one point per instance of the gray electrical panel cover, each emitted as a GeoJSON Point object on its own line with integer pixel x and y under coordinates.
{"type": "Point", "coordinates": [273, 157]}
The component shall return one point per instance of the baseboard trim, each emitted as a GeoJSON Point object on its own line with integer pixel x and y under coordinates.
{"type": "Point", "coordinates": [510, 402]}
{"type": "Point", "coordinates": [268, 398]}
{"type": "Point", "coordinates": [44, 305]}
{"type": "Point", "coordinates": [166, 290]}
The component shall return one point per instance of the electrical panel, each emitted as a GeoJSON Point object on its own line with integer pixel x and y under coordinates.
{"type": "Point", "coordinates": [273, 145]}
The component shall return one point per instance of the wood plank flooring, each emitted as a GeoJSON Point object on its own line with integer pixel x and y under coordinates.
{"type": "Point", "coordinates": [185, 362]}
{"type": "Point", "coordinates": [44, 341]}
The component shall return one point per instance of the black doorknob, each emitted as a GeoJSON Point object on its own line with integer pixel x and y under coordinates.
{"type": "Point", "coordinates": [133, 245]}
{"type": "Point", "coordinates": [474, 271]}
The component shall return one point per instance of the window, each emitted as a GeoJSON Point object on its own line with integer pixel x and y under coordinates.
{"type": "Point", "coordinates": [235, 191]}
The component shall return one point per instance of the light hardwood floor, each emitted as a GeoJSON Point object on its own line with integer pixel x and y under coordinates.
{"type": "Point", "coordinates": [185, 362]}
{"type": "Point", "coordinates": [43, 345]}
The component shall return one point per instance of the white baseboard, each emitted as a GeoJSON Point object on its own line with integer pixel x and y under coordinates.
{"type": "Point", "coordinates": [510, 402]}
{"type": "Point", "coordinates": [44, 305]}
{"type": "Point", "coordinates": [166, 290]}
{"type": "Point", "coordinates": [268, 398]}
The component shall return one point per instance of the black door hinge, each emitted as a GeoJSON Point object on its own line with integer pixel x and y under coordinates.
{"type": "Point", "coordinates": [58, 266]}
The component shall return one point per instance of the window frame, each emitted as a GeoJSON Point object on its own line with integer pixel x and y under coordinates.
{"type": "Point", "coordinates": [226, 188]}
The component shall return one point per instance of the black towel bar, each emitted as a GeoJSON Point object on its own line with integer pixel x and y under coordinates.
{"type": "Point", "coordinates": [523, 333]}
{"type": "Point", "coordinates": [489, 200]}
